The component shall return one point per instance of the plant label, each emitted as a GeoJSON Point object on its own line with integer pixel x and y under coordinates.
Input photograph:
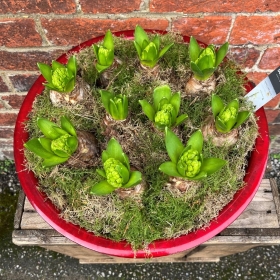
{"type": "Point", "coordinates": [266, 90]}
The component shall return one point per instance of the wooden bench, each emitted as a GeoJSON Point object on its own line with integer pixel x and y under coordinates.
{"type": "Point", "coordinates": [258, 225]}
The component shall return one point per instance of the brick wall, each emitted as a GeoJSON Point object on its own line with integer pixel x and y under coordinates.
{"type": "Point", "coordinates": [33, 31]}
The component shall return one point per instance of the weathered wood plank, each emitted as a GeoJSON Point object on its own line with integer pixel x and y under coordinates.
{"type": "Point", "coordinates": [19, 210]}
{"type": "Point", "coordinates": [32, 220]}
{"type": "Point", "coordinates": [27, 206]}
{"type": "Point", "coordinates": [276, 198]}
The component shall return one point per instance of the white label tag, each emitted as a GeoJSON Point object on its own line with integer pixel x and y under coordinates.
{"type": "Point", "coordinates": [266, 90]}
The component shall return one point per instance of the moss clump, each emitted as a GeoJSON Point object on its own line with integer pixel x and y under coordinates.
{"type": "Point", "coordinates": [161, 213]}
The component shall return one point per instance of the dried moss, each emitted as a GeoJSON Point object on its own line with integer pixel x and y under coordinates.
{"type": "Point", "coordinates": [162, 213]}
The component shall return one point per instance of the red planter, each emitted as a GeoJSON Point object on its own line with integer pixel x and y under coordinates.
{"type": "Point", "coordinates": [46, 209]}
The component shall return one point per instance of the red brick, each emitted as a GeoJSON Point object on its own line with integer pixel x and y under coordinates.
{"type": "Point", "coordinates": [13, 100]}
{"type": "Point", "coordinates": [3, 86]}
{"type": "Point", "coordinates": [38, 7]}
{"type": "Point", "coordinates": [26, 61]}
{"type": "Point", "coordinates": [255, 30]}
{"type": "Point", "coordinates": [59, 33]}
{"type": "Point", "coordinates": [273, 116]}
{"type": "Point", "coordinates": [110, 6]}
{"type": "Point", "coordinates": [212, 29]}
{"type": "Point", "coordinates": [274, 103]}
{"type": "Point", "coordinates": [19, 33]}
{"type": "Point", "coordinates": [256, 77]}
{"type": "Point", "coordinates": [209, 6]}
{"type": "Point", "coordinates": [245, 57]}
{"type": "Point", "coordinates": [270, 59]}
{"type": "Point", "coordinates": [274, 129]}
{"type": "Point", "coordinates": [23, 82]}
{"type": "Point", "coordinates": [7, 119]}
{"type": "Point", "coordinates": [6, 132]}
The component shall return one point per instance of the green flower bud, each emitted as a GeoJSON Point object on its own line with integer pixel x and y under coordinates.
{"type": "Point", "coordinates": [112, 173]}
{"type": "Point", "coordinates": [189, 163]}
{"type": "Point", "coordinates": [210, 50]}
{"type": "Point", "coordinates": [61, 144]}
{"type": "Point", "coordinates": [229, 113]}
{"type": "Point", "coordinates": [163, 117]}
{"type": "Point", "coordinates": [60, 78]}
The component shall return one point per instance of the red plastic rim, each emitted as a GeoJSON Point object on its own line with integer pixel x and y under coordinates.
{"type": "Point", "coordinates": [46, 209]}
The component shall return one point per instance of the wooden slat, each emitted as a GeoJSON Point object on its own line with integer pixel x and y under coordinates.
{"type": "Point", "coordinates": [32, 220]}
{"type": "Point", "coordinates": [258, 225]}
{"type": "Point", "coordinates": [261, 212]}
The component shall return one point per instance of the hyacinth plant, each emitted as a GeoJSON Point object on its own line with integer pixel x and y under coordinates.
{"type": "Point", "coordinates": [187, 161]}
{"type": "Point", "coordinates": [204, 61]}
{"type": "Point", "coordinates": [117, 171]}
{"type": "Point", "coordinates": [164, 111]}
{"type": "Point", "coordinates": [60, 78]}
{"type": "Point", "coordinates": [148, 51]}
{"type": "Point", "coordinates": [104, 53]}
{"type": "Point", "coordinates": [115, 105]}
{"type": "Point", "coordinates": [58, 144]}
{"type": "Point", "coordinates": [227, 117]}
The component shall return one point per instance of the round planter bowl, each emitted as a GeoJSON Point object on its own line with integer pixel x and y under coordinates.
{"type": "Point", "coordinates": [254, 173]}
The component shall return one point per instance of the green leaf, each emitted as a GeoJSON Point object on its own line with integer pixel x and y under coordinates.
{"type": "Point", "coordinates": [173, 145]}
{"type": "Point", "coordinates": [149, 53]}
{"type": "Point", "coordinates": [101, 172]}
{"type": "Point", "coordinates": [221, 53]}
{"type": "Point", "coordinates": [140, 35]}
{"type": "Point", "coordinates": [195, 69]}
{"type": "Point", "coordinates": [205, 62]}
{"type": "Point", "coordinates": [110, 58]}
{"type": "Point", "coordinates": [113, 110]}
{"type": "Point", "coordinates": [241, 118]}
{"type": "Point", "coordinates": [125, 161]}
{"type": "Point", "coordinates": [100, 68]}
{"type": "Point", "coordinates": [46, 71]}
{"type": "Point", "coordinates": [35, 146]}
{"type": "Point", "coordinates": [170, 169]}
{"type": "Point", "coordinates": [156, 42]}
{"type": "Point", "coordinates": [234, 103]}
{"type": "Point", "coordinates": [175, 101]}
{"type": "Point", "coordinates": [148, 109]}
{"type": "Point", "coordinates": [105, 156]}
{"type": "Point", "coordinates": [70, 85]}
{"type": "Point", "coordinates": [138, 49]}
{"type": "Point", "coordinates": [67, 125]}
{"type": "Point", "coordinates": [194, 49]}
{"type": "Point", "coordinates": [159, 93]}
{"type": "Point", "coordinates": [46, 144]}
{"type": "Point", "coordinates": [211, 165]}
{"type": "Point", "coordinates": [181, 119]}
{"type": "Point", "coordinates": [102, 188]}
{"type": "Point", "coordinates": [124, 173]}
{"type": "Point", "coordinates": [207, 73]}
{"type": "Point", "coordinates": [56, 65]}
{"type": "Point", "coordinates": [230, 123]}
{"type": "Point", "coordinates": [125, 107]}
{"type": "Point", "coordinates": [114, 150]}
{"type": "Point", "coordinates": [72, 65]}
{"type": "Point", "coordinates": [48, 128]}
{"type": "Point", "coordinates": [95, 49]}
{"type": "Point", "coordinates": [134, 179]}
{"type": "Point", "coordinates": [164, 50]}
{"type": "Point", "coordinates": [108, 41]}
{"type": "Point", "coordinates": [217, 105]}
{"type": "Point", "coordinates": [220, 126]}
{"type": "Point", "coordinates": [199, 176]}
{"type": "Point", "coordinates": [105, 98]}
{"type": "Point", "coordinates": [72, 143]}
{"type": "Point", "coordinates": [196, 141]}
{"type": "Point", "coordinates": [60, 131]}
{"type": "Point", "coordinates": [55, 160]}
{"type": "Point", "coordinates": [61, 153]}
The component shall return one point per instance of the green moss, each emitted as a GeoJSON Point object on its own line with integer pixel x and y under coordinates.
{"type": "Point", "coordinates": [161, 213]}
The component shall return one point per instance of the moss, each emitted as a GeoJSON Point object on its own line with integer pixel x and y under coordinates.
{"type": "Point", "coordinates": [161, 213]}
